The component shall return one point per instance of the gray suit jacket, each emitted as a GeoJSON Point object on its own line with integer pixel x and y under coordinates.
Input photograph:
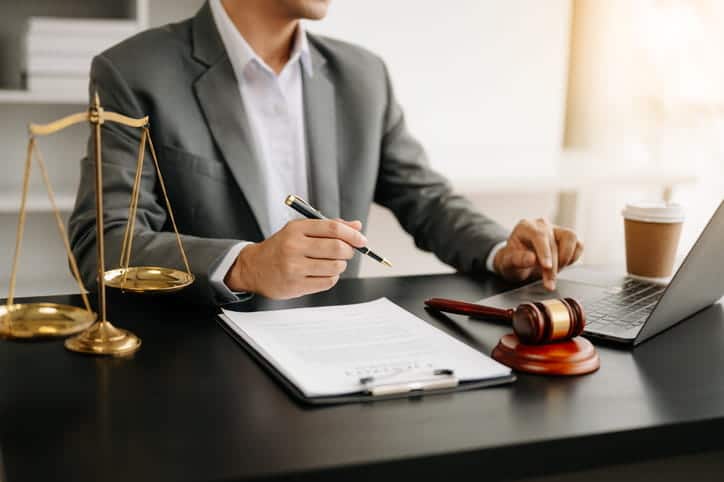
{"type": "Point", "coordinates": [359, 152]}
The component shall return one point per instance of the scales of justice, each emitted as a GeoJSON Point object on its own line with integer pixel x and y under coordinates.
{"type": "Point", "coordinates": [94, 334]}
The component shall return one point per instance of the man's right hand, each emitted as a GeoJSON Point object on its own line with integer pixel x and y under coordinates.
{"type": "Point", "coordinates": [305, 256]}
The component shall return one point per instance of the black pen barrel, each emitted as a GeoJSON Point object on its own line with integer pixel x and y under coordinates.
{"type": "Point", "coordinates": [303, 208]}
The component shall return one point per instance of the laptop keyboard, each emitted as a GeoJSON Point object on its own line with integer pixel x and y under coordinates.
{"type": "Point", "coordinates": [625, 307]}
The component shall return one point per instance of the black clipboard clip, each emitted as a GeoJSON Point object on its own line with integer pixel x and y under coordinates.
{"type": "Point", "coordinates": [437, 380]}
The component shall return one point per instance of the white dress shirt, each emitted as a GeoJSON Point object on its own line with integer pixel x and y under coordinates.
{"type": "Point", "coordinates": [275, 110]}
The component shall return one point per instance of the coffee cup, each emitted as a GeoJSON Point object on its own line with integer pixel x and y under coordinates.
{"type": "Point", "coordinates": [652, 236]}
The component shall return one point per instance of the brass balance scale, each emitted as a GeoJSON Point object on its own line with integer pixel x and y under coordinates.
{"type": "Point", "coordinates": [93, 334]}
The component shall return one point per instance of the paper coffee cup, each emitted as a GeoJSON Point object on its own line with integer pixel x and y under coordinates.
{"type": "Point", "coordinates": [652, 237]}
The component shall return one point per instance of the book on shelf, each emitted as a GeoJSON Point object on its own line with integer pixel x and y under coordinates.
{"type": "Point", "coordinates": [66, 47]}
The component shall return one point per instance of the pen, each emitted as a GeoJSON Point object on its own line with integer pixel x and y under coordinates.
{"type": "Point", "coordinates": [305, 209]}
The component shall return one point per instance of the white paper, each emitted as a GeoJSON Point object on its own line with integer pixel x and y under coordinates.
{"type": "Point", "coordinates": [325, 351]}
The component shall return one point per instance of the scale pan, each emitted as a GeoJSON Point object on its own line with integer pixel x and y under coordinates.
{"type": "Point", "coordinates": [43, 320]}
{"type": "Point", "coordinates": [148, 279]}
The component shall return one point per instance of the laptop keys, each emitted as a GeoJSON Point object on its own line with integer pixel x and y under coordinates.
{"type": "Point", "coordinates": [624, 308]}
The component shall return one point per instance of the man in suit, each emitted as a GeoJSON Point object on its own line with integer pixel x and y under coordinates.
{"type": "Point", "coordinates": [246, 107]}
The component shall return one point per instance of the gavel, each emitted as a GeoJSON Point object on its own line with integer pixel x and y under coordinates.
{"type": "Point", "coordinates": [534, 323]}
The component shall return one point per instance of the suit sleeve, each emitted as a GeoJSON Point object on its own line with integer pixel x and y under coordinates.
{"type": "Point", "coordinates": [154, 242]}
{"type": "Point", "coordinates": [424, 203]}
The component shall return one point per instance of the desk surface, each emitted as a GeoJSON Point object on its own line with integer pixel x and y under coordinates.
{"type": "Point", "coordinates": [195, 406]}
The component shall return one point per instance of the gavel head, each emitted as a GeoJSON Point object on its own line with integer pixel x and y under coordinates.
{"type": "Point", "coordinates": [548, 321]}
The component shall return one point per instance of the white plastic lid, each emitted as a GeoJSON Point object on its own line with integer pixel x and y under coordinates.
{"type": "Point", "coordinates": [654, 212]}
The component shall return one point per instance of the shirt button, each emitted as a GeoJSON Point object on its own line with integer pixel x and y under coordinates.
{"type": "Point", "coordinates": [278, 109]}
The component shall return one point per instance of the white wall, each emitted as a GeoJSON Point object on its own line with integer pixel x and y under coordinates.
{"type": "Point", "coordinates": [162, 12]}
{"type": "Point", "coordinates": [483, 82]}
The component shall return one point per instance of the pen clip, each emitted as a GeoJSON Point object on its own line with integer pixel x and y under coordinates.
{"type": "Point", "coordinates": [438, 379]}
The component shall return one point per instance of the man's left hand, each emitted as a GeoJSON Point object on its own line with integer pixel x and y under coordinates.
{"type": "Point", "coordinates": [537, 248]}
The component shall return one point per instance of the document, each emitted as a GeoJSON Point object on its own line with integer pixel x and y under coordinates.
{"type": "Point", "coordinates": [326, 351]}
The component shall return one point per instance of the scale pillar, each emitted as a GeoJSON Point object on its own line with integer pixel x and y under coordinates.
{"type": "Point", "coordinates": [102, 338]}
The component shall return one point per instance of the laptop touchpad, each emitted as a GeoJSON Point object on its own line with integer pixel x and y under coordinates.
{"type": "Point", "coordinates": [536, 292]}
{"type": "Point", "coordinates": [583, 283]}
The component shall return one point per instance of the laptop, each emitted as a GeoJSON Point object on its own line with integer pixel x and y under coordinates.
{"type": "Point", "coordinates": [628, 310]}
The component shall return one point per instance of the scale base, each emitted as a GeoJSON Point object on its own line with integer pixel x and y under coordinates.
{"type": "Point", "coordinates": [572, 357]}
{"type": "Point", "coordinates": [104, 339]}
{"type": "Point", "coordinates": [43, 320]}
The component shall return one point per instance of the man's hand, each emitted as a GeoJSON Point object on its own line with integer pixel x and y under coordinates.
{"type": "Point", "coordinates": [306, 256]}
{"type": "Point", "coordinates": [537, 248]}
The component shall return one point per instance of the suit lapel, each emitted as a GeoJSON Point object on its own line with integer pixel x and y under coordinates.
{"type": "Point", "coordinates": [320, 124]}
{"type": "Point", "coordinates": [217, 91]}
{"type": "Point", "coordinates": [218, 94]}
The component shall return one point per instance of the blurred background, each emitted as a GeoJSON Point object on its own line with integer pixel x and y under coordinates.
{"type": "Point", "coordinates": [564, 109]}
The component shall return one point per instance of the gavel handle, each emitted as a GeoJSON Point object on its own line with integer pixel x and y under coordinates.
{"type": "Point", "coordinates": [470, 309]}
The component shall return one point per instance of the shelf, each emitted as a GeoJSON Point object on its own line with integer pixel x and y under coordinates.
{"type": "Point", "coordinates": [37, 203]}
{"type": "Point", "coordinates": [27, 97]}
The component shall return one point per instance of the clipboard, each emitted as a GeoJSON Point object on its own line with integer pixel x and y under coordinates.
{"type": "Point", "coordinates": [360, 397]}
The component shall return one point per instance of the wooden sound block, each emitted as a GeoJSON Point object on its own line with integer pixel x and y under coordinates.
{"type": "Point", "coordinates": [576, 356]}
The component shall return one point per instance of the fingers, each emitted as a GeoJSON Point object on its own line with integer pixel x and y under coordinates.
{"type": "Point", "coordinates": [548, 248]}
{"type": "Point", "coordinates": [577, 252]}
{"type": "Point", "coordinates": [567, 242]}
{"type": "Point", "coordinates": [324, 267]}
{"type": "Point", "coordinates": [519, 259]}
{"type": "Point", "coordinates": [549, 275]}
{"type": "Point", "coordinates": [566, 250]}
{"type": "Point", "coordinates": [521, 274]}
{"type": "Point", "coordinates": [306, 256]}
{"type": "Point", "coordinates": [537, 235]}
{"type": "Point", "coordinates": [516, 264]}
{"type": "Point", "coordinates": [325, 248]}
{"type": "Point", "coordinates": [328, 228]}
{"type": "Point", "coordinates": [330, 245]}
{"type": "Point", "coordinates": [316, 284]}
{"type": "Point", "coordinates": [356, 225]}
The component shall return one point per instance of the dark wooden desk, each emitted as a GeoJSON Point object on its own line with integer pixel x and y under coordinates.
{"type": "Point", "coordinates": [192, 405]}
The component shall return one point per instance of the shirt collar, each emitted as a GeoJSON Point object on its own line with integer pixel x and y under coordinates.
{"type": "Point", "coordinates": [301, 49]}
{"type": "Point", "coordinates": [240, 52]}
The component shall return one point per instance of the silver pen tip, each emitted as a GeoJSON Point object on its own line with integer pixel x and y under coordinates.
{"type": "Point", "coordinates": [386, 263]}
